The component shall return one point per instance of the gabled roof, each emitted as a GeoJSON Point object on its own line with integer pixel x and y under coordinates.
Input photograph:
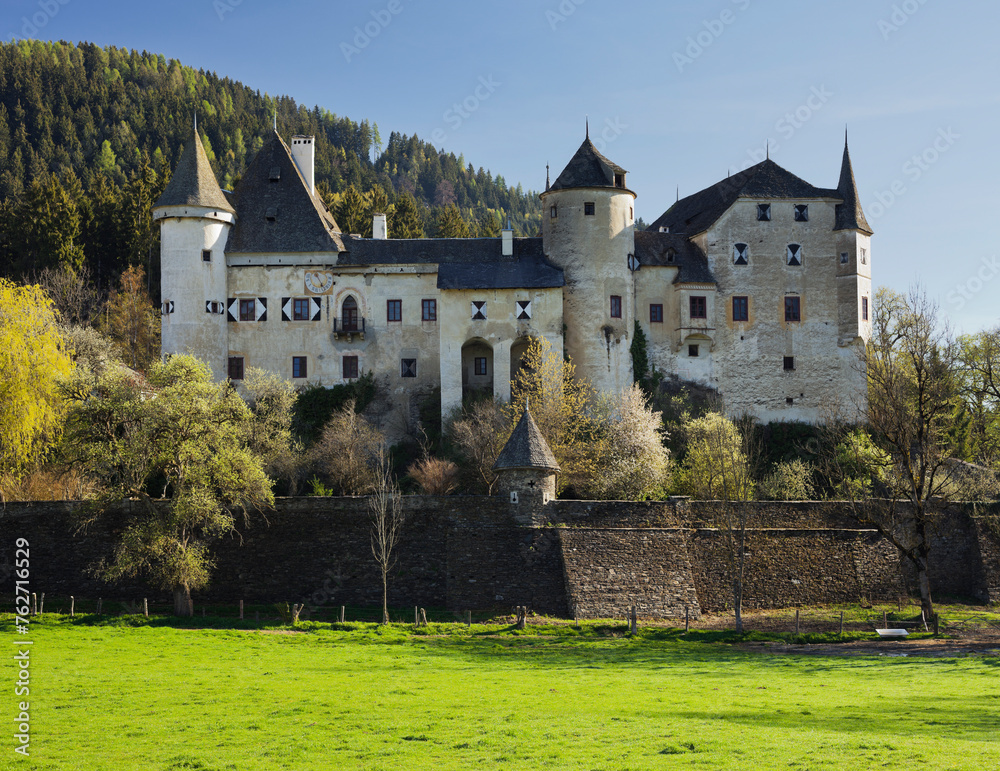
{"type": "Point", "coordinates": [275, 212]}
{"type": "Point", "coordinates": [193, 182]}
{"type": "Point", "coordinates": [587, 168]}
{"type": "Point", "coordinates": [526, 448]}
{"type": "Point", "coordinates": [849, 213]}
{"type": "Point", "coordinates": [696, 213]}
{"type": "Point", "coordinates": [462, 263]}
{"type": "Point", "coordinates": [671, 249]}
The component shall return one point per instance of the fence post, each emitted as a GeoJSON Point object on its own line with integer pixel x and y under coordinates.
{"type": "Point", "coordinates": [796, 621]}
{"type": "Point", "coordinates": [937, 624]}
{"type": "Point", "coordinates": [885, 620]}
{"type": "Point", "coordinates": [41, 607]}
{"type": "Point", "coordinates": [687, 619]}
{"type": "Point", "coordinates": [145, 607]}
{"type": "Point", "coordinates": [34, 604]}
{"type": "Point", "coordinates": [468, 618]}
{"type": "Point", "coordinates": [416, 616]}
{"type": "Point", "coordinates": [100, 602]}
{"type": "Point", "coordinates": [423, 617]}
{"type": "Point", "coordinates": [241, 610]}
{"type": "Point", "coordinates": [841, 623]}
{"type": "Point", "coordinates": [72, 606]}
{"type": "Point", "coordinates": [341, 614]}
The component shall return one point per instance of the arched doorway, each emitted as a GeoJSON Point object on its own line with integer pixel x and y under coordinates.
{"type": "Point", "coordinates": [477, 370]}
{"type": "Point", "coordinates": [349, 314]}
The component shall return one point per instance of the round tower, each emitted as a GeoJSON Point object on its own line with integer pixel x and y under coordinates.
{"type": "Point", "coordinates": [588, 225]}
{"type": "Point", "coordinates": [526, 472]}
{"type": "Point", "coordinates": [195, 218]}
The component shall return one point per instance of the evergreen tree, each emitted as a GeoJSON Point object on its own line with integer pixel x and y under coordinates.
{"type": "Point", "coordinates": [407, 221]}
{"type": "Point", "coordinates": [450, 224]}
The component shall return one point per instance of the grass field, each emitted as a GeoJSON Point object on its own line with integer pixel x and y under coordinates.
{"type": "Point", "coordinates": [128, 693]}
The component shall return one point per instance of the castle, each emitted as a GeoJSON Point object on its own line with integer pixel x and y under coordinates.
{"type": "Point", "coordinates": [758, 286]}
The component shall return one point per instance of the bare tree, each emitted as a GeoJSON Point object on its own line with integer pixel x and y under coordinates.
{"type": "Point", "coordinates": [387, 516]}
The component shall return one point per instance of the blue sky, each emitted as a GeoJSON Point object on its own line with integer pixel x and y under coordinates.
{"type": "Point", "coordinates": [679, 93]}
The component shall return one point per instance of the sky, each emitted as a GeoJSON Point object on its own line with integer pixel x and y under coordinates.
{"type": "Point", "coordinates": [678, 93]}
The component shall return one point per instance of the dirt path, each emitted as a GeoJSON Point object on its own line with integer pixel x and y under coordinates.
{"type": "Point", "coordinates": [989, 646]}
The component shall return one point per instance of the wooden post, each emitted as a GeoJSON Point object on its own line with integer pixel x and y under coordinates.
{"type": "Point", "coordinates": [241, 610]}
{"type": "Point", "coordinates": [423, 617]}
{"type": "Point", "coordinates": [687, 619]}
{"type": "Point", "coordinates": [576, 616]}
{"type": "Point", "coordinates": [34, 604]}
{"type": "Point", "coordinates": [841, 623]}
{"type": "Point", "coordinates": [72, 606]}
{"type": "Point", "coordinates": [41, 607]}
{"type": "Point", "coordinates": [937, 624]}
{"type": "Point", "coordinates": [468, 618]}
{"type": "Point", "coordinates": [796, 621]}
{"type": "Point", "coordinates": [416, 616]}
{"type": "Point", "coordinates": [885, 620]}
{"type": "Point", "coordinates": [100, 602]}
{"type": "Point", "coordinates": [341, 614]}
{"type": "Point", "coordinates": [145, 607]}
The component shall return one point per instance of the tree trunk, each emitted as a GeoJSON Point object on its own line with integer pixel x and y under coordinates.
{"type": "Point", "coordinates": [182, 600]}
{"type": "Point", "coordinates": [385, 599]}
{"type": "Point", "coordinates": [924, 579]}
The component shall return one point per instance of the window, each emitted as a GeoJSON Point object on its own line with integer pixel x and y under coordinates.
{"type": "Point", "coordinates": [408, 368]}
{"type": "Point", "coordinates": [693, 351]}
{"type": "Point", "coordinates": [764, 212]}
{"type": "Point", "coordinates": [864, 309]}
{"type": "Point", "coordinates": [619, 180]}
{"type": "Point", "coordinates": [350, 367]}
{"type": "Point", "coordinates": [741, 254]}
{"type": "Point", "coordinates": [793, 311]}
{"type": "Point", "coordinates": [248, 310]}
{"type": "Point", "coordinates": [300, 309]}
{"type": "Point", "coordinates": [298, 366]}
{"type": "Point", "coordinates": [616, 306]}
{"type": "Point", "coordinates": [864, 256]}
{"type": "Point", "coordinates": [349, 314]}
{"type": "Point", "coordinates": [656, 313]}
{"type": "Point", "coordinates": [206, 255]}
{"type": "Point", "coordinates": [430, 310]}
{"type": "Point", "coordinates": [235, 367]}
{"type": "Point", "coordinates": [553, 212]}
{"type": "Point", "coordinates": [844, 258]}
{"type": "Point", "coordinates": [801, 212]}
{"type": "Point", "coordinates": [588, 208]}
{"type": "Point", "coordinates": [393, 310]}
{"type": "Point", "coordinates": [523, 310]}
{"type": "Point", "coordinates": [479, 365]}
{"type": "Point", "coordinates": [699, 308]}
{"type": "Point", "coordinates": [789, 363]}
{"type": "Point", "coordinates": [793, 255]}
{"type": "Point", "coordinates": [479, 310]}
{"type": "Point", "coordinates": [671, 255]}
{"type": "Point", "coordinates": [741, 309]}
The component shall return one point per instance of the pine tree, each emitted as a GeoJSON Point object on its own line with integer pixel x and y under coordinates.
{"type": "Point", "coordinates": [407, 221]}
{"type": "Point", "coordinates": [450, 224]}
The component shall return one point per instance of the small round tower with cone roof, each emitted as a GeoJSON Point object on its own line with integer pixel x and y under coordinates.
{"type": "Point", "coordinates": [527, 470]}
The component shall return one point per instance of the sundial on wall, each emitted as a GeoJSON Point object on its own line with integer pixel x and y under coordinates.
{"type": "Point", "coordinates": [318, 281]}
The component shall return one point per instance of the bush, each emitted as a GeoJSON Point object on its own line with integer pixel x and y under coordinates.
{"type": "Point", "coordinates": [316, 404]}
{"type": "Point", "coordinates": [790, 481]}
{"type": "Point", "coordinates": [435, 476]}
{"type": "Point", "coordinates": [344, 457]}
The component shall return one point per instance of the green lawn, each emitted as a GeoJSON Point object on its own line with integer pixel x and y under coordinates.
{"type": "Point", "coordinates": [117, 696]}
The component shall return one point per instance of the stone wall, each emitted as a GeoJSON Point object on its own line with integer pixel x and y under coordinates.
{"type": "Point", "coordinates": [467, 552]}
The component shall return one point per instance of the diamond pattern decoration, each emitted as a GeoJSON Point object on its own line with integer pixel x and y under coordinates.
{"type": "Point", "coordinates": [479, 310]}
{"type": "Point", "coordinates": [740, 254]}
{"type": "Point", "coordinates": [286, 308]}
{"type": "Point", "coordinates": [794, 254]}
{"type": "Point", "coordinates": [523, 310]}
{"type": "Point", "coordinates": [233, 309]}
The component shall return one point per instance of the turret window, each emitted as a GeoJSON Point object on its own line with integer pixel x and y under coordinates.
{"type": "Point", "coordinates": [588, 208]}
{"type": "Point", "coordinates": [864, 309]}
{"type": "Point", "coordinates": [864, 256]}
{"type": "Point", "coordinates": [741, 254]}
{"type": "Point", "coordinates": [699, 308]}
{"type": "Point", "coordinates": [553, 212]}
{"type": "Point", "coordinates": [206, 255]}
{"type": "Point", "coordinates": [764, 212]}
{"type": "Point", "coordinates": [619, 180]}
{"type": "Point", "coordinates": [793, 255]}
{"type": "Point", "coordinates": [801, 212]}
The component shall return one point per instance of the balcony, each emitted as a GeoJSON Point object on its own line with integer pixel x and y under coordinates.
{"type": "Point", "coordinates": [348, 329]}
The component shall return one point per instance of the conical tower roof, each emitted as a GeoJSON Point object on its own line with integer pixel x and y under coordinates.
{"type": "Point", "coordinates": [588, 168]}
{"type": "Point", "coordinates": [526, 448]}
{"type": "Point", "coordinates": [849, 213]}
{"type": "Point", "coordinates": [193, 182]}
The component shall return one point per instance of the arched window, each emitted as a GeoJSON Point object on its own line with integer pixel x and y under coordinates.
{"type": "Point", "coordinates": [349, 315]}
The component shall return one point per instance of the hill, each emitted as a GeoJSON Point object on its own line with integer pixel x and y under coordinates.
{"type": "Point", "coordinates": [89, 136]}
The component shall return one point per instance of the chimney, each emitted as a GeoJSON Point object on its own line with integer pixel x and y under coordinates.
{"type": "Point", "coordinates": [304, 155]}
{"type": "Point", "coordinates": [380, 229]}
{"type": "Point", "coordinates": [507, 237]}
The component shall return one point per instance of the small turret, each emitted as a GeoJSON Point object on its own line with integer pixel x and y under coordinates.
{"type": "Point", "coordinates": [527, 470]}
{"type": "Point", "coordinates": [849, 213]}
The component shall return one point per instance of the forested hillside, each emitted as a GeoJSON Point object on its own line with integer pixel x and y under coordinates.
{"type": "Point", "coordinates": [89, 136]}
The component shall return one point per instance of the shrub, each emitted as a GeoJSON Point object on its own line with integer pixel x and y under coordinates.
{"type": "Point", "coordinates": [344, 457]}
{"type": "Point", "coordinates": [435, 476]}
{"type": "Point", "coordinates": [790, 481]}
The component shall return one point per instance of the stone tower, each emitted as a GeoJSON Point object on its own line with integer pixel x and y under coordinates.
{"type": "Point", "coordinates": [195, 218]}
{"type": "Point", "coordinates": [854, 271]}
{"type": "Point", "coordinates": [527, 470]}
{"type": "Point", "coordinates": [588, 226]}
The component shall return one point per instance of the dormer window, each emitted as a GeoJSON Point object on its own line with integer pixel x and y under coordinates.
{"type": "Point", "coordinates": [275, 173]}
{"type": "Point", "coordinates": [271, 214]}
{"type": "Point", "coordinates": [763, 212]}
{"type": "Point", "coordinates": [671, 255]}
{"type": "Point", "coordinates": [619, 180]}
{"type": "Point", "coordinates": [801, 212]}
{"type": "Point", "coordinates": [793, 255]}
{"type": "Point", "coordinates": [588, 208]}
{"type": "Point", "coordinates": [741, 254]}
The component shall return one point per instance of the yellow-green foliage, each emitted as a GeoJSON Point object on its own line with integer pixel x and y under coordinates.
{"type": "Point", "coordinates": [33, 360]}
{"type": "Point", "coordinates": [716, 466]}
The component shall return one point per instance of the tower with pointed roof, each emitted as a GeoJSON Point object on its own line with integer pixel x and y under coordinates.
{"type": "Point", "coordinates": [527, 471]}
{"type": "Point", "coordinates": [854, 271]}
{"type": "Point", "coordinates": [588, 221]}
{"type": "Point", "coordinates": [195, 219]}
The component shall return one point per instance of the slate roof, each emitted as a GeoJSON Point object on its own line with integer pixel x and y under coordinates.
{"type": "Point", "coordinates": [526, 448]}
{"type": "Point", "coordinates": [653, 248]}
{"type": "Point", "coordinates": [275, 211]}
{"type": "Point", "coordinates": [849, 213]}
{"type": "Point", "coordinates": [587, 168]}
{"type": "Point", "coordinates": [462, 263]}
{"type": "Point", "coordinates": [696, 213]}
{"type": "Point", "coordinates": [193, 182]}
